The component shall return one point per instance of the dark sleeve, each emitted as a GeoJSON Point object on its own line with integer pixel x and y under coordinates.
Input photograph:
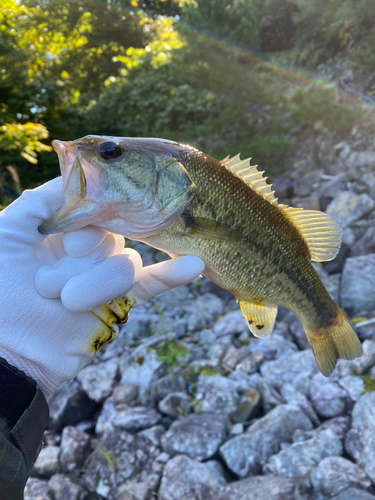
{"type": "Point", "coordinates": [23, 419]}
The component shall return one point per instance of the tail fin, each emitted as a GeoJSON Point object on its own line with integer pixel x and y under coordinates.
{"type": "Point", "coordinates": [337, 340]}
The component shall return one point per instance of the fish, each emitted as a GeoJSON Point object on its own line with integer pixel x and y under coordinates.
{"type": "Point", "coordinates": [182, 201]}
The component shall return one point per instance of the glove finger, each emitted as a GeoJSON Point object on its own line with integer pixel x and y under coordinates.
{"type": "Point", "coordinates": [50, 280]}
{"type": "Point", "coordinates": [84, 241]}
{"type": "Point", "coordinates": [24, 216]}
{"type": "Point", "coordinates": [109, 280]}
{"type": "Point", "coordinates": [161, 277]}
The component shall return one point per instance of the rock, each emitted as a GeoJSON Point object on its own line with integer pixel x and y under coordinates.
{"type": "Point", "coordinates": [297, 461]}
{"type": "Point", "coordinates": [68, 405]}
{"type": "Point", "coordinates": [74, 449]}
{"type": "Point", "coordinates": [63, 488]}
{"type": "Point", "coordinates": [335, 474]}
{"type": "Point", "coordinates": [205, 310]}
{"type": "Point", "coordinates": [120, 457]}
{"type": "Point", "coordinates": [153, 434]}
{"type": "Point", "coordinates": [36, 489]}
{"type": "Point", "coordinates": [283, 187]}
{"type": "Point", "coordinates": [135, 418]}
{"type": "Point", "coordinates": [47, 462]}
{"type": "Point", "coordinates": [145, 369]}
{"type": "Point", "coordinates": [251, 363]}
{"type": "Point", "coordinates": [270, 396]}
{"type": "Point", "coordinates": [327, 397]}
{"type": "Point", "coordinates": [360, 440]}
{"type": "Point", "coordinates": [294, 397]}
{"type": "Point", "coordinates": [249, 406]}
{"type": "Point", "coordinates": [272, 347]}
{"type": "Point", "coordinates": [299, 334]}
{"type": "Point", "coordinates": [233, 356]}
{"type": "Point", "coordinates": [348, 207]}
{"type": "Point", "coordinates": [236, 430]}
{"type": "Point", "coordinates": [134, 491]}
{"type": "Point", "coordinates": [358, 285]}
{"type": "Point", "coordinates": [338, 425]}
{"type": "Point", "coordinates": [365, 362]}
{"type": "Point", "coordinates": [307, 203]}
{"type": "Point", "coordinates": [245, 454]}
{"type": "Point", "coordinates": [280, 372]}
{"type": "Point", "coordinates": [98, 380]}
{"type": "Point", "coordinates": [258, 488]}
{"type": "Point", "coordinates": [354, 494]}
{"type": "Point", "coordinates": [183, 476]}
{"type": "Point", "coordinates": [161, 388]}
{"type": "Point", "coordinates": [125, 393]}
{"type": "Point", "coordinates": [353, 386]}
{"type": "Point", "coordinates": [217, 394]}
{"type": "Point", "coordinates": [176, 404]}
{"type": "Point", "coordinates": [332, 188]}
{"type": "Point", "coordinates": [358, 159]}
{"type": "Point", "coordinates": [198, 436]}
{"type": "Point", "coordinates": [304, 186]}
{"type": "Point", "coordinates": [230, 324]}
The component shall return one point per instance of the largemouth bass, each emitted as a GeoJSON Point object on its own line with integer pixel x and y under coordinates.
{"type": "Point", "coordinates": [184, 202]}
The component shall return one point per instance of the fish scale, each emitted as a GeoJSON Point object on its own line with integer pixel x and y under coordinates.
{"type": "Point", "coordinates": [184, 202]}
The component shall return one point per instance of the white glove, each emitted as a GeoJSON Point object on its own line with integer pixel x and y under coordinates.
{"type": "Point", "coordinates": [52, 338]}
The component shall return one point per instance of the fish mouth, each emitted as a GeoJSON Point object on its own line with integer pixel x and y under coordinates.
{"type": "Point", "coordinates": [79, 180]}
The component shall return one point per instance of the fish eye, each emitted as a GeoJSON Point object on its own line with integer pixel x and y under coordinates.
{"type": "Point", "coordinates": [109, 150]}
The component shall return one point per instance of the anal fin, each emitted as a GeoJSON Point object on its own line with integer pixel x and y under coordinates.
{"type": "Point", "coordinates": [260, 318]}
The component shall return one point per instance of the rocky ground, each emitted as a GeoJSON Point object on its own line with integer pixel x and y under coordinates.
{"type": "Point", "coordinates": [184, 405]}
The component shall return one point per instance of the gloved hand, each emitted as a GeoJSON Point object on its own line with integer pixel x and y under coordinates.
{"type": "Point", "coordinates": [48, 285]}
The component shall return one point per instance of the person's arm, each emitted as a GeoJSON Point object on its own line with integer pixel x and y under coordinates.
{"type": "Point", "coordinates": [49, 285]}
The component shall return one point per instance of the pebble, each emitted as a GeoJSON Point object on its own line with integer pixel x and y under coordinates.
{"type": "Point", "coordinates": [357, 284]}
{"type": "Point", "coordinates": [47, 462]}
{"type": "Point", "coordinates": [328, 398]}
{"type": "Point", "coordinates": [258, 488]}
{"type": "Point", "coordinates": [98, 380]}
{"type": "Point", "coordinates": [176, 404]}
{"type": "Point", "coordinates": [217, 394]}
{"type": "Point", "coordinates": [198, 436]}
{"type": "Point", "coordinates": [348, 207]}
{"type": "Point", "coordinates": [74, 449]}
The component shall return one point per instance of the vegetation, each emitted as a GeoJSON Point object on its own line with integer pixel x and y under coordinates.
{"type": "Point", "coordinates": [181, 69]}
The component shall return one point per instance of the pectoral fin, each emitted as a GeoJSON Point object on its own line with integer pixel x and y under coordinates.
{"type": "Point", "coordinates": [260, 319]}
{"type": "Point", "coordinates": [208, 228]}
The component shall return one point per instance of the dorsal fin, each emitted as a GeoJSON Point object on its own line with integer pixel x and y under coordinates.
{"type": "Point", "coordinates": [320, 231]}
{"type": "Point", "coordinates": [251, 176]}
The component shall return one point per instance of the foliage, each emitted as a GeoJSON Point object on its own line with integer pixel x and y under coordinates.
{"type": "Point", "coordinates": [172, 353]}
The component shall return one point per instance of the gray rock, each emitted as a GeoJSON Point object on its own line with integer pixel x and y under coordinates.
{"type": "Point", "coordinates": [328, 398]}
{"type": "Point", "coordinates": [304, 186]}
{"type": "Point", "coordinates": [366, 244]}
{"type": "Point", "coordinates": [251, 363]}
{"type": "Point", "coordinates": [270, 396]}
{"type": "Point", "coordinates": [153, 434]}
{"type": "Point", "coordinates": [184, 476]}
{"type": "Point", "coordinates": [98, 380]}
{"type": "Point", "coordinates": [333, 187]}
{"type": "Point", "coordinates": [338, 425]}
{"type": "Point", "coordinates": [198, 436]}
{"type": "Point", "coordinates": [68, 405]}
{"type": "Point", "coordinates": [249, 406]}
{"type": "Point", "coordinates": [47, 462]}
{"type": "Point", "coordinates": [161, 388]}
{"type": "Point", "coordinates": [280, 372]}
{"type": "Point", "coordinates": [245, 454]}
{"type": "Point", "coordinates": [360, 440]}
{"type": "Point", "coordinates": [353, 386]}
{"type": "Point", "coordinates": [272, 347]}
{"type": "Point", "coordinates": [297, 461]}
{"type": "Point", "coordinates": [217, 394]}
{"type": "Point", "coordinates": [365, 362]}
{"type": "Point", "coordinates": [298, 333]}
{"type": "Point", "coordinates": [135, 418]}
{"type": "Point", "coordinates": [358, 159]}
{"type": "Point", "coordinates": [205, 310]}
{"type": "Point", "coordinates": [232, 356]}
{"type": "Point", "coordinates": [74, 449]}
{"type": "Point", "coordinates": [144, 370]}
{"type": "Point", "coordinates": [283, 187]}
{"type": "Point", "coordinates": [120, 457]}
{"type": "Point", "coordinates": [258, 488]}
{"type": "Point", "coordinates": [231, 324]}
{"type": "Point", "coordinates": [348, 207]}
{"type": "Point", "coordinates": [63, 488]}
{"type": "Point", "coordinates": [176, 404]}
{"type": "Point", "coordinates": [134, 491]}
{"type": "Point", "coordinates": [354, 494]}
{"type": "Point", "coordinates": [335, 474]}
{"type": "Point", "coordinates": [358, 285]}
{"type": "Point", "coordinates": [125, 393]}
{"type": "Point", "coordinates": [294, 397]}
{"type": "Point", "coordinates": [36, 489]}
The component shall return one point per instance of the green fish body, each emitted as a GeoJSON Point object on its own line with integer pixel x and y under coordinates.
{"type": "Point", "coordinates": [184, 202]}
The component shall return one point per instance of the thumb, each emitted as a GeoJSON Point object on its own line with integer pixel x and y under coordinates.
{"type": "Point", "coordinates": [22, 218]}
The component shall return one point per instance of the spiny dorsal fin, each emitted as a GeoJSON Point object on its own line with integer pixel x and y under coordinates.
{"type": "Point", "coordinates": [251, 176]}
{"type": "Point", "coordinates": [320, 231]}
